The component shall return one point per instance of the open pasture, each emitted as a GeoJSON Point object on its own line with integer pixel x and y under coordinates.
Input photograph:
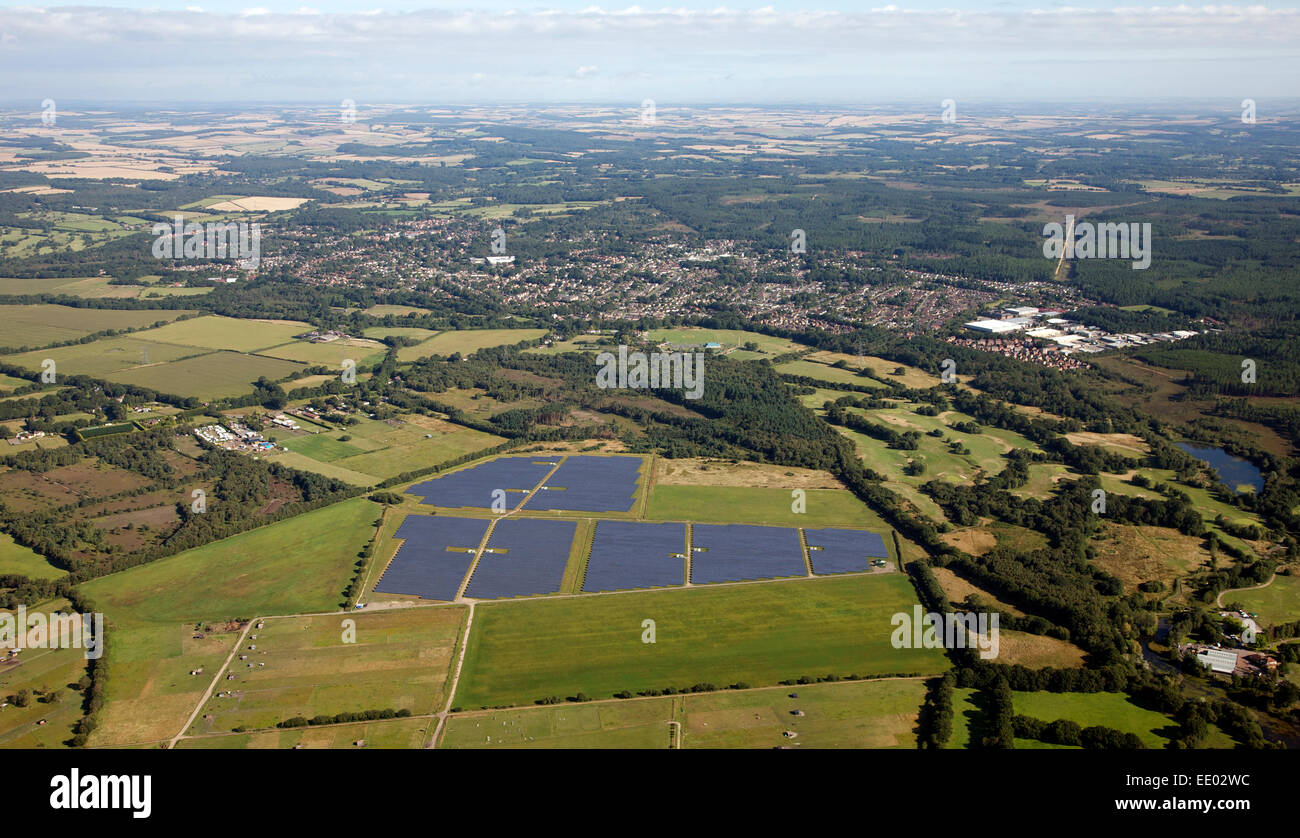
{"type": "Point", "coordinates": [525, 650]}
{"type": "Point", "coordinates": [309, 666]}
{"type": "Point", "coordinates": [216, 375]}
{"type": "Point", "coordinates": [214, 332]}
{"type": "Point", "coordinates": [466, 342]}
{"type": "Point", "coordinates": [41, 325]}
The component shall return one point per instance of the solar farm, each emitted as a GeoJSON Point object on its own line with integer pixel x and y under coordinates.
{"type": "Point", "coordinates": [520, 548]}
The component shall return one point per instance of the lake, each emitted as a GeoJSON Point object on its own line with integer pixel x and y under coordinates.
{"type": "Point", "coordinates": [1233, 471]}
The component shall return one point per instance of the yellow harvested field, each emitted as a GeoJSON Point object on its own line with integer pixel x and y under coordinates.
{"type": "Point", "coordinates": [258, 204]}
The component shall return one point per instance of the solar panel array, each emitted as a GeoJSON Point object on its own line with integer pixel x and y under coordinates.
{"type": "Point", "coordinates": [423, 566]}
{"type": "Point", "coordinates": [739, 553]}
{"type": "Point", "coordinates": [844, 551]}
{"type": "Point", "coordinates": [538, 552]}
{"type": "Point", "coordinates": [590, 484]}
{"type": "Point", "coordinates": [474, 486]}
{"type": "Point", "coordinates": [632, 554]}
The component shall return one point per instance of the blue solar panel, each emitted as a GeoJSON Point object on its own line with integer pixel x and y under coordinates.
{"type": "Point", "coordinates": [538, 552]}
{"type": "Point", "coordinates": [423, 566]}
{"type": "Point", "coordinates": [843, 551]}
{"type": "Point", "coordinates": [590, 484]}
{"type": "Point", "coordinates": [474, 487]}
{"type": "Point", "coordinates": [632, 554]}
{"type": "Point", "coordinates": [738, 553]}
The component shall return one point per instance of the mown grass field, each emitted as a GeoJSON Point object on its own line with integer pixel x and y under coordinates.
{"type": "Point", "coordinates": [1112, 710]}
{"type": "Point", "coordinates": [214, 332]}
{"type": "Point", "coordinates": [41, 325]}
{"type": "Point", "coordinates": [213, 376]}
{"type": "Point", "coordinates": [102, 357]}
{"type": "Point", "coordinates": [15, 558]}
{"type": "Point", "coordinates": [466, 342]}
{"type": "Point", "coordinates": [330, 354]}
{"type": "Point", "coordinates": [856, 714]}
{"type": "Point", "coordinates": [1278, 603]}
{"type": "Point", "coordinates": [303, 666]}
{"type": "Point", "coordinates": [909, 377]}
{"type": "Point", "coordinates": [299, 565]}
{"type": "Point", "coordinates": [759, 633]}
{"type": "Point", "coordinates": [859, 714]}
{"type": "Point", "coordinates": [824, 372]}
{"type": "Point", "coordinates": [729, 338]}
{"type": "Point", "coordinates": [744, 505]}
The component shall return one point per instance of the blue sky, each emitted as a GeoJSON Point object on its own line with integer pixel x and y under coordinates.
{"type": "Point", "coordinates": [829, 51]}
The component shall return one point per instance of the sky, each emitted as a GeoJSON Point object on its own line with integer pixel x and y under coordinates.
{"type": "Point", "coordinates": [492, 51]}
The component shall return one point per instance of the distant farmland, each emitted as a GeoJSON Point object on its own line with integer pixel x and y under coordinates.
{"type": "Point", "coordinates": [40, 325]}
{"type": "Point", "coordinates": [213, 376]}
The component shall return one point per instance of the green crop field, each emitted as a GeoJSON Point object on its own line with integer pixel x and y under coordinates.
{"type": "Point", "coordinates": [330, 354]}
{"type": "Point", "coordinates": [1112, 710]}
{"type": "Point", "coordinates": [15, 558]}
{"type": "Point", "coordinates": [299, 565]}
{"type": "Point", "coordinates": [304, 666]}
{"type": "Point", "coordinates": [466, 342]}
{"type": "Point", "coordinates": [107, 355]}
{"type": "Point", "coordinates": [746, 505]}
{"type": "Point", "coordinates": [758, 633]}
{"type": "Point", "coordinates": [213, 376]}
{"type": "Point", "coordinates": [391, 733]}
{"type": "Point", "coordinates": [40, 325]}
{"type": "Point", "coordinates": [1278, 603]}
{"type": "Point", "coordinates": [212, 332]}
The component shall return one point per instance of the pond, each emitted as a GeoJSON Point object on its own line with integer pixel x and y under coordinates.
{"type": "Point", "coordinates": [1233, 471]}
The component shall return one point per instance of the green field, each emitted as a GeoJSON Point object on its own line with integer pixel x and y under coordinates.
{"type": "Point", "coordinates": [852, 714]}
{"type": "Point", "coordinates": [379, 450]}
{"type": "Point", "coordinates": [330, 354]}
{"type": "Point", "coordinates": [41, 325]}
{"type": "Point", "coordinates": [299, 565]}
{"type": "Point", "coordinates": [302, 666]}
{"type": "Point", "coordinates": [758, 633]}
{"type": "Point", "coordinates": [640, 724]}
{"type": "Point", "coordinates": [745, 505]}
{"type": "Point", "coordinates": [1113, 710]}
{"type": "Point", "coordinates": [824, 372]}
{"type": "Point", "coordinates": [1278, 603]}
{"type": "Point", "coordinates": [217, 375]}
{"type": "Point", "coordinates": [466, 342]}
{"type": "Point", "coordinates": [100, 358]}
{"type": "Point", "coordinates": [213, 332]}
{"type": "Point", "coordinates": [729, 338]}
{"type": "Point", "coordinates": [15, 558]}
